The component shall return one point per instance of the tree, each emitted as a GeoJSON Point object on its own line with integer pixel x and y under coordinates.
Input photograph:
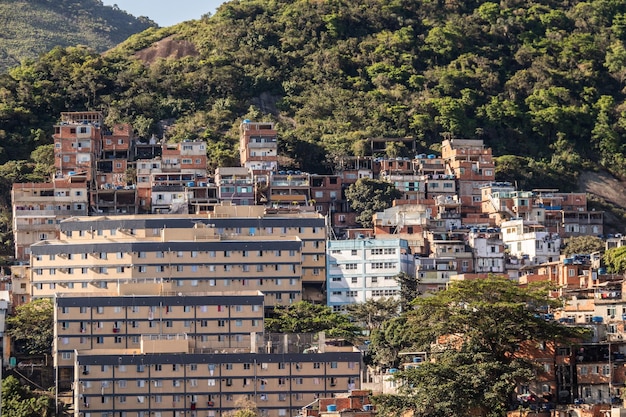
{"type": "Point", "coordinates": [374, 312]}
{"type": "Point", "coordinates": [408, 289]}
{"type": "Point", "coordinates": [615, 260]}
{"type": "Point", "coordinates": [305, 317]}
{"type": "Point", "coordinates": [19, 401]}
{"type": "Point", "coordinates": [472, 332]}
{"type": "Point", "coordinates": [245, 408]}
{"type": "Point", "coordinates": [395, 149]}
{"type": "Point", "coordinates": [368, 196]}
{"type": "Point", "coordinates": [583, 245]}
{"type": "Point", "coordinates": [31, 328]}
{"type": "Point", "coordinates": [43, 157]}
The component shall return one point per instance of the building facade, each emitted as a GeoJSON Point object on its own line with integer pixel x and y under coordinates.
{"type": "Point", "coordinates": [234, 248]}
{"type": "Point", "coordinates": [360, 269]}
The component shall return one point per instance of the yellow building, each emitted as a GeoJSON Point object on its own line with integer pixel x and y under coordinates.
{"type": "Point", "coordinates": [146, 350]}
{"type": "Point", "coordinates": [172, 381]}
{"type": "Point", "coordinates": [235, 248]}
{"type": "Point", "coordinates": [211, 322]}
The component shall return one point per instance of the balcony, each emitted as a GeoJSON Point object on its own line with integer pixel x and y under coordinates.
{"type": "Point", "coordinates": [31, 214]}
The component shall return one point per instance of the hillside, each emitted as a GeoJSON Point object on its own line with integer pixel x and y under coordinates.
{"type": "Point", "coordinates": [542, 83]}
{"type": "Point", "coordinates": [32, 27]}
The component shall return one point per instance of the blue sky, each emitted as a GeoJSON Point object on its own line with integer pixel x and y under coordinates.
{"type": "Point", "coordinates": [167, 12]}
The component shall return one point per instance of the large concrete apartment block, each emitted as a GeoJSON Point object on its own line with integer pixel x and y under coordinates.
{"type": "Point", "coordinates": [235, 248]}
{"type": "Point", "coordinates": [146, 349]}
{"type": "Point", "coordinates": [217, 321]}
{"type": "Point", "coordinates": [177, 383]}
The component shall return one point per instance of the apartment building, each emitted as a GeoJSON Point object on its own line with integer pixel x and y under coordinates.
{"type": "Point", "coordinates": [167, 379]}
{"type": "Point", "coordinates": [488, 250]}
{"type": "Point", "coordinates": [434, 273]}
{"type": "Point", "coordinates": [112, 163]}
{"type": "Point", "coordinates": [38, 208]}
{"type": "Point", "coordinates": [114, 320]}
{"type": "Point", "coordinates": [77, 142]}
{"type": "Point", "coordinates": [289, 188]}
{"type": "Point", "coordinates": [233, 248]}
{"type": "Point", "coordinates": [403, 174]}
{"type": "Point", "coordinates": [567, 213]}
{"type": "Point", "coordinates": [472, 165]}
{"type": "Point", "coordinates": [447, 213]}
{"type": "Point", "coordinates": [530, 241]}
{"type": "Point", "coordinates": [406, 221]}
{"type": "Point", "coordinates": [452, 244]}
{"type": "Point", "coordinates": [147, 349]}
{"type": "Point", "coordinates": [235, 185]}
{"type": "Point", "coordinates": [192, 259]}
{"type": "Point", "coordinates": [327, 195]}
{"type": "Point", "coordinates": [360, 269]}
{"type": "Point", "coordinates": [352, 168]}
{"type": "Point", "coordinates": [258, 147]}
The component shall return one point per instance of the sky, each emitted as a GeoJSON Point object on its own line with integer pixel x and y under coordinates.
{"type": "Point", "coordinates": [167, 12]}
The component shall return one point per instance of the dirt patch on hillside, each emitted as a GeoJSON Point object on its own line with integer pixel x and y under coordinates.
{"type": "Point", "coordinates": [167, 48]}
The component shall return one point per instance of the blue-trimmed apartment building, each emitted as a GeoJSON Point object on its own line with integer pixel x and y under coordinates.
{"type": "Point", "coordinates": [360, 269]}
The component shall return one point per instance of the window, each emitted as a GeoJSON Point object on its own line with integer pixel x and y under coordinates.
{"type": "Point", "coordinates": [611, 311]}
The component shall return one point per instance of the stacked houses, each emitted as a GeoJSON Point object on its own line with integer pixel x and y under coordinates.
{"type": "Point", "coordinates": [161, 270]}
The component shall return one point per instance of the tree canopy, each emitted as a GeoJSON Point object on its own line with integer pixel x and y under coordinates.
{"type": "Point", "coordinates": [19, 401]}
{"type": "Point", "coordinates": [306, 317]}
{"type": "Point", "coordinates": [472, 333]}
{"type": "Point", "coordinates": [368, 196]}
{"type": "Point", "coordinates": [540, 80]}
{"type": "Point", "coordinates": [31, 327]}
{"type": "Point", "coordinates": [582, 245]}
{"type": "Point", "coordinates": [374, 312]}
{"type": "Point", "coordinates": [615, 260]}
{"type": "Point", "coordinates": [68, 23]}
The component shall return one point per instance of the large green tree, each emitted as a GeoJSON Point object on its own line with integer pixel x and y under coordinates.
{"type": "Point", "coordinates": [474, 372]}
{"type": "Point", "coordinates": [19, 401]}
{"type": "Point", "coordinates": [368, 196]}
{"type": "Point", "coordinates": [31, 327]}
{"type": "Point", "coordinates": [374, 312]}
{"type": "Point", "coordinates": [615, 260]}
{"type": "Point", "coordinates": [306, 317]}
{"type": "Point", "coordinates": [582, 245]}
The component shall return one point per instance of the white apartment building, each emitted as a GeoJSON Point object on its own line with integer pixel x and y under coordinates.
{"type": "Point", "coordinates": [360, 269]}
{"type": "Point", "coordinates": [530, 241]}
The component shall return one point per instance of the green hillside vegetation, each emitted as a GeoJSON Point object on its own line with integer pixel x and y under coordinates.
{"type": "Point", "coordinates": [33, 27]}
{"type": "Point", "coordinates": [541, 82]}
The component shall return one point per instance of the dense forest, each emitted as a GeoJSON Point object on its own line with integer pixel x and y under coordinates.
{"type": "Point", "coordinates": [33, 27]}
{"type": "Point", "coordinates": [541, 82]}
